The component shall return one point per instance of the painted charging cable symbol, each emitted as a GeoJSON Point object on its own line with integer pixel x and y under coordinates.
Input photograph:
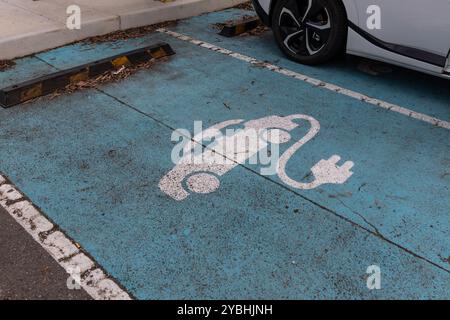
{"type": "Point", "coordinates": [202, 176]}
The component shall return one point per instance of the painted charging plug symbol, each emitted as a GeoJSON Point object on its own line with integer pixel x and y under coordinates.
{"type": "Point", "coordinates": [325, 172]}
{"type": "Point", "coordinates": [201, 173]}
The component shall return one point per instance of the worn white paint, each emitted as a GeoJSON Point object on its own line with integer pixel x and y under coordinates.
{"type": "Point", "coordinates": [325, 171]}
{"type": "Point", "coordinates": [64, 250]}
{"type": "Point", "coordinates": [79, 261]}
{"type": "Point", "coordinates": [8, 193]}
{"type": "Point", "coordinates": [228, 151]}
{"type": "Point", "coordinates": [315, 82]}
{"type": "Point", "coordinates": [97, 284]}
{"type": "Point", "coordinates": [59, 246]}
{"type": "Point", "coordinates": [30, 218]}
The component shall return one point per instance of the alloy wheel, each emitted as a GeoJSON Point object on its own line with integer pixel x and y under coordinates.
{"type": "Point", "coordinates": [304, 26]}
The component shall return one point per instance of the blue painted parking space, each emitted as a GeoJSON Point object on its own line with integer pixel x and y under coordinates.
{"type": "Point", "coordinates": [416, 91]}
{"type": "Point", "coordinates": [93, 161]}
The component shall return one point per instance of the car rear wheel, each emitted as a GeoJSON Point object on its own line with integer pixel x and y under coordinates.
{"type": "Point", "coordinates": [310, 31]}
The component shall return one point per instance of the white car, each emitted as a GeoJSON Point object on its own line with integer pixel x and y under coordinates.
{"type": "Point", "coordinates": [414, 34]}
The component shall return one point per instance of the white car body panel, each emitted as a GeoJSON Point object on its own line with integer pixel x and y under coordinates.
{"type": "Point", "coordinates": [420, 26]}
{"type": "Point", "coordinates": [358, 46]}
{"type": "Point", "coordinates": [413, 23]}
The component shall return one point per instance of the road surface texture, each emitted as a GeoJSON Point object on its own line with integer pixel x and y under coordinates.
{"type": "Point", "coordinates": [28, 271]}
{"type": "Point", "coordinates": [93, 161]}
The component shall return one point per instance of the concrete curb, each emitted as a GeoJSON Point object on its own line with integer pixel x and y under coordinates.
{"type": "Point", "coordinates": [179, 9]}
{"type": "Point", "coordinates": [58, 35]}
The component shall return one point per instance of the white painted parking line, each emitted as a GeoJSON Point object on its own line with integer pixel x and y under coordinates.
{"type": "Point", "coordinates": [63, 249]}
{"type": "Point", "coordinates": [318, 83]}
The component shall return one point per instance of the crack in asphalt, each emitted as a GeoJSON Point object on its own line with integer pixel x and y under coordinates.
{"type": "Point", "coordinates": [374, 232]}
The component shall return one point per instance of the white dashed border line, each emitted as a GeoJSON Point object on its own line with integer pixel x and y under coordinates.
{"type": "Point", "coordinates": [68, 254]}
{"type": "Point", "coordinates": [315, 82]}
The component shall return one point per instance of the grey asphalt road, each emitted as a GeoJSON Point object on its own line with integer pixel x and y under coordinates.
{"type": "Point", "coordinates": [27, 271]}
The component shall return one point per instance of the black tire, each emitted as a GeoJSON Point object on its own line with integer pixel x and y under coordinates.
{"type": "Point", "coordinates": [324, 34]}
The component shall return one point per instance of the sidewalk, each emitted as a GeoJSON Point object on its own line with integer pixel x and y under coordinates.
{"type": "Point", "coordinates": [28, 26]}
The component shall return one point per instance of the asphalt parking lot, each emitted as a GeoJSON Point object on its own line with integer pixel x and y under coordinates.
{"type": "Point", "coordinates": [93, 162]}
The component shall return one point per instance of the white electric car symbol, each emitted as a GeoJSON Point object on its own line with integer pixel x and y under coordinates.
{"type": "Point", "coordinates": [201, 172]}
